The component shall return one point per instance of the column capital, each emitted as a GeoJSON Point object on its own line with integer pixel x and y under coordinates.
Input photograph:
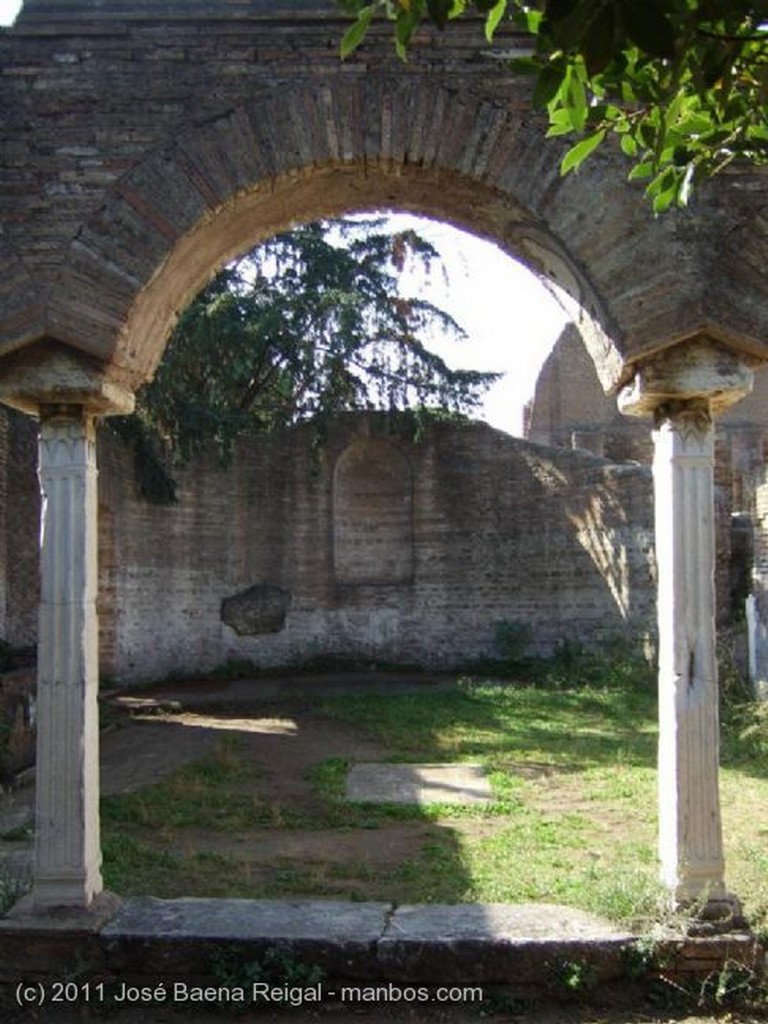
{"type": "Point", "coordinates": [48, 375]}
{"type": "Point", "coordinates": [690, 418]}
{"type": "Point", "coordinates": [698, 370]}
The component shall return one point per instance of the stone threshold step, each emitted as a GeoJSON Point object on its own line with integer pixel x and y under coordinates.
{"type": "Point", "coordinates": [526, 945]}
{"type": "Point", "coordinates": [496, 943]}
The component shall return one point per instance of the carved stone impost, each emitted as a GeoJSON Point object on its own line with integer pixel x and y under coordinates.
{"type": "Point", "coordinates": [49, 374]}
{"type": "Point", "coordinates": [699, 369]}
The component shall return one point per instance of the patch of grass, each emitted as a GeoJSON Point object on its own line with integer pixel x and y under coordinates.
{"type": "Point", "coordinates": [134, 867]}
{"type": "Point", "coordinates": [15, 882]}
{"type": "Point", "coordinates": [19, 834]}
{"type": "Point", "coordinates": [220, 792]}
{"type": "Point", "coordinates": [329, 778]}
{"type": "Point", "coordinates": [495, 724]}
{"type": "Point", "coordinates": [573, 821]}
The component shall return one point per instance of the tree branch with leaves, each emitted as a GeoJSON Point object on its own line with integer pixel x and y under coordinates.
{"type": "Point", "coordinates": [308, 325]}
{"type": "Point", "coordinates": [682, 84]}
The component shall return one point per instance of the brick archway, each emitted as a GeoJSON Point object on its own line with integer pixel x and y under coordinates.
{"type": "Point", "coordinates": [181, 213]}
{"type": "Point", "coordinates": [145, 144]}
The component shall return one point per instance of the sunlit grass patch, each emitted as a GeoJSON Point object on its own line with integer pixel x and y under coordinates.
{"type": "Point", "coordinates": [493, 722]}
{"type": "Point", "coordinates": [573, 819]}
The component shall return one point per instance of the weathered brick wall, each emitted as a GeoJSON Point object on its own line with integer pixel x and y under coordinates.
{"type": "Point", "coordinates": [22, 526]}
{"type": "Point", "coordinates": [500, 529]}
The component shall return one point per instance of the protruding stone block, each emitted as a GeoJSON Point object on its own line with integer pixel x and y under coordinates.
{"type": "Point", "coordinates": [49, 373]}
{"type": "Point", "coordinates": [259, 609]}
{"type": "Point", "coordinates": [697, 368]}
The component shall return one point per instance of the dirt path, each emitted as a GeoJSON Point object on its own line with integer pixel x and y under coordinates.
{"type": "Point", "coordinates": [286, 740]}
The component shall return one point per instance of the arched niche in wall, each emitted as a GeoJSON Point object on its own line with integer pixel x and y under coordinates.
{"type": "Point", "coordinates": [372, 515]}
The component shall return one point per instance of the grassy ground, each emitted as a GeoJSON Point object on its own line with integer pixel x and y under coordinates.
{"type": "Point", "coordinates": [573, 773]}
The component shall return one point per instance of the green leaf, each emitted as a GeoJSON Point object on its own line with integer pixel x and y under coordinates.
{"type": "Point", "coordinates": [548, 84]}
{"type": "Point", "coordinates": [664, 189]}
{"type": "Point", "coordinates": [577, 154]}
{"type": "Point", "coordinates": [527, 20]}
{"type": "Point", "coordinates": [663, 200]}
{"type": "Point", "coordinates": [559, 123]}
{"type": "Point", "coordinates": [404, 26]}
{"type": "Point", "coordinates": [495, 15]}
{"type": "Point", "coordinates": [574, 98]}
{"type": "Point", "coordinates": [357, 31]}
{"type": "Point", "coordinates": [641, 170]}
{"type": "Point", "coordinates": [694, 124]}
{"type": "Point", "coordinates": [628, 145]}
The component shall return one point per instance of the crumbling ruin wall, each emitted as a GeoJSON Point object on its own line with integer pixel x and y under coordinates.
{"type": "Point", "coordinates": [379, 548]}
{"type": "Point", "coordinates": [570, 408]}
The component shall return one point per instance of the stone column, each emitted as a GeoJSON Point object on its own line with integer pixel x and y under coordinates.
{"type": "Point", "coordinates": [681, 388]}
{"type": "Point", "coordinates": [67, 854]}
{"type": "Point", "coordinates": [690, 834]}
{"type": "Point", "coordinates": [66, 391]}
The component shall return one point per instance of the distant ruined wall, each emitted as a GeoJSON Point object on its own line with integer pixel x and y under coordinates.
{"type": "Point", "coordinates": [378, 548]}
{"type": "Point", "coordinates": [381, 548]}
{"type": "Point", "coordinates": [570, 408]}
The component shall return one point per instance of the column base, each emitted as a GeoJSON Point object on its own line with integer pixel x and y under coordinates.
{"type": "Point", "coordinates": [709, 915]}
{"type": "Point", "coordinates": [74, 888]}
{"type": "Point", "coordinates": [718, 916]}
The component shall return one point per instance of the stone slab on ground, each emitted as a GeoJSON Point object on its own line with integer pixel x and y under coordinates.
{"type": "Point", "coordinates": [333, 920]}
{"type": "Point", "coordinates": [185, 936]}
{"type": "Point", "coordinates": [421, 943]}
{"type": "Point", "coordinates": [522, 943]}
{"type": "Point", "coordinates": [418, 784]}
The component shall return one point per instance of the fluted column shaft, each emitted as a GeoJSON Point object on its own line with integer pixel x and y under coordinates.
{"type": "Point", "coordinates": [690, 833]}
{"type": "Point", "coordinates": [682, 386]}
{"type": "Point", "coordinates": [67, 856]}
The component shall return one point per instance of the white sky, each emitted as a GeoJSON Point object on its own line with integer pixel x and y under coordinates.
{"type": "Point", "coordinates": [511, 319]}
{"type": "Point", "coordinates": [8, 11]}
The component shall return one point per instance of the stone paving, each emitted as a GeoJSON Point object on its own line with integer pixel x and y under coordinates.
{"type": "Point", "coordinates": [418, 784]}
